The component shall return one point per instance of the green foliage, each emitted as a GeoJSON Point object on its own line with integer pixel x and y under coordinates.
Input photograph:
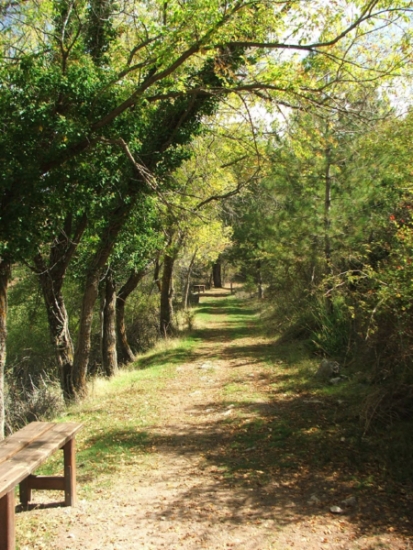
{"type": "Point", "coordinates": [142, 318]}
{"type": "Point", "coordinates": [29, 351]}
{"type": "Point", "coordinates": [100, 31]}
{"type": "Point", "coordinates": [332, 337]}
{"type": "Point", "coordinates": [331, 229]}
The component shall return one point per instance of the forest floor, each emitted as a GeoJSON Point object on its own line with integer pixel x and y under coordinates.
{"type": "Point", "coordinates": [223, 441]}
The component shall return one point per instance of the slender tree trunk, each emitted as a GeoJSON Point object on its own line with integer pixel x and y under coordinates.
{"type": "Point", "coordinates": [108, 343]}
{"type": "Point", "coordinates": [327, 207]}
{"type": "Point", "coordinates": [125, 354]}
{"type": "Point", "coordinates": [327, 224]}
{"type": "Point", "coordinates": [259, 280]}
{"type": "Point", "coordinates": [166, 314]}
{"type": "Point", "coordinates": [188, 282]}
{"type": "Point", "coordinates": [156, 274]}
{"type": "Point", "coordinates": [5, 274]}
{"type": "Point", "coordinates": [216, 274]}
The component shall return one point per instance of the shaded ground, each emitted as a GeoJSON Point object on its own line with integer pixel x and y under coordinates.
{"type": "Point", "coordinates": [243, 453]}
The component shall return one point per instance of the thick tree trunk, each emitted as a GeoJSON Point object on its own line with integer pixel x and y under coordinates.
{"type": "Point", "coordinates": [81, 358]}
{"type": "Point", "coordinates": [125, 354]}
{"type": "Point", "coordinates": [108, 343]}
{"type": "Point", "coordinates": [216, 274]}
{"type": "Point", "coordinates": [58, 320]}
{"type": "Point", "coordinates": [5, 274]}
{"type": "Point", "coordinates": [188, 282]}
{"type": "Point", "coordinates": [166, 314]}
{"type": "Point", "coordinates": [51, 279]}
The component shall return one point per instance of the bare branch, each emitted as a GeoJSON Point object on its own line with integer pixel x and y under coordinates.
{"type": "Point", "coordinates": [140, 168]}
{"type": "Point", "coordinates": [140, 47]}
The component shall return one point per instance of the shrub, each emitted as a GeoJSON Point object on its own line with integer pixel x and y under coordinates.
{"type": "Point", "coordinates": [334, 327]}
{"type": "Point", "coordinates": [25, 404]}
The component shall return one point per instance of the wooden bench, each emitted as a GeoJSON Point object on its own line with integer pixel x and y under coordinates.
{"type": "Point", "coordinates": [20, 455]}
{"type": "Point", "coordinates": [199, 288]}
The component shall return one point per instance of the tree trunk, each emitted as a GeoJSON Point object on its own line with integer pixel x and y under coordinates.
{"type": "Point", "coordinates": [125, 354]}
{"type": "Point", "coordinates": [108, 342]}
{"type": "Point", "coordinates": [188, 282]}
{"type": "Point", "coordinates": [5, 274]}
{"type": "Point", "coordinates": [166, 314]}
{"type": "Point", "coordinates": [51, 279]}
{"type": "Point", "coordinates": [327, 224]}
{"type": "Point", "coordinates": [327, 207]}
{"type": "Point", "coordinates": [81, 358]}
{"type": "Point", "coordinates": [216, 274]}
{"type": "Point", "coordinates": [156, 274]}
{"type": "Point", "coordinates": [259, 280]}
{"type": "Point", "coordinates": [107, 242]}
{"type": "Point", "coordinates": [58, 320]}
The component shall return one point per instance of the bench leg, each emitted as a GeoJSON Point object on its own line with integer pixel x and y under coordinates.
{"type": "Point", "coordinates": [25, 492]}
{"type": "Point", "coordinates": [69, 454]}
{"type": "Point", "coordinates": [7, 530]}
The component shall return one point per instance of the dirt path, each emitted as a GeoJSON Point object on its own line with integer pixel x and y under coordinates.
{"type": "Point", "coordinates": [234, 463]}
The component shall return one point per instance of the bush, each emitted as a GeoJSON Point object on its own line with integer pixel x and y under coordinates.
{"type": "Point", "coordinates": [334, 327]}
{"type": "Point", "coordinates": [25, 404]}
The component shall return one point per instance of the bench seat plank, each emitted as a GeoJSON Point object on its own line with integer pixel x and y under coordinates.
{"type": "Point", "coordinates": [19, 466]}
{"type": "Point", "coordinates": [16, 442]}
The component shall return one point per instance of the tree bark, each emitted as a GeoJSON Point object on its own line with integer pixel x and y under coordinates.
{"type": "Point", "coordinates": [58, 321]}
{"type": "Point", "coordinates": [166, 314]}
{"type": "Point", "coordinates": [51, 279]}
{"type": "Point", "coordinates": [216, 274]}
{"type": "Point", "coordinates": [188, 282]}
{"type": "Point", "coordinates": [5, 274]}
{"type": "Point", "coordinates": [327, 207]}
{"type": "Point", "coordinates": [108, 342]}
{"type": "Point", "coordinates": [327, 224]}
{"type": "Point", "coordinates": [259, 280]}
{"type": "Point", "coordinates": [156, 274]}
{"type": "Point", "coordinates": [125, 353]}
{"type": "Point", "coordinates": [81, 357]}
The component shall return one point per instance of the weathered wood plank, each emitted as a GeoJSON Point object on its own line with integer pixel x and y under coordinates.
{"type": "Point", "coordinates": [33, 455]}
{"type": "Point", "coordinates": [17, 441]}
{"type": "Point", "coordinates": [46, 483]}
{"type": "Point", "coordinates": [69, 451]}
{"type": "Point", "coordinates": [43, 483]}
{"type": "Point", "coordinates": [7, 522]}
